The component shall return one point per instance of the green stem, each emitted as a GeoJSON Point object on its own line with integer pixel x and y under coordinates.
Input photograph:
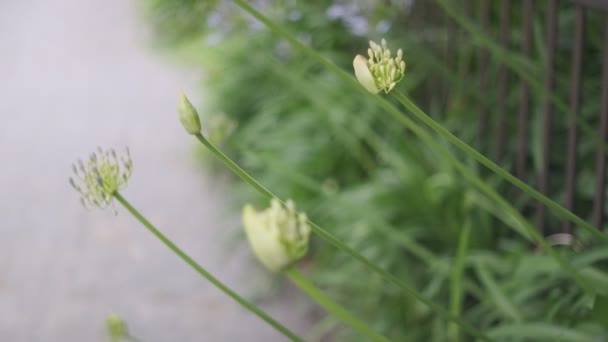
{"type": "Point", "coordinates": [325, 235]}
{"type": "Point", "coordinates": [456, 292]}
{"type": "Point", "coordinates": [332, 307]}
{"type": "Point", "coordinates": [235, 168]}
{"type": "Point", "coordinates": [398, 115]}
{"type": "Point", "coordinates": [528, 229]}
{"type": "Point", "coordinates": [554, 206]}
{"type": "Point", "coordinates": [198, 268]}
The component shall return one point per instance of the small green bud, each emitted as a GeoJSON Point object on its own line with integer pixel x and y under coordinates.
{"type": "Point", "coordinates": [364, 75]}
{"type": "Point", "coordinates": [188, 115]}
{"type": "Point", "coordinates": [117, 329]}
{"type": "Point", "coordinates": [278, 235]}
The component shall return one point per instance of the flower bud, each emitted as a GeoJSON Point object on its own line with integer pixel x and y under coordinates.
{"type": "Point", "coordinates": [364, 75]}
{"type": "Point", "coordinates": [117, 329]}
{"type": "Point", "coordinates": [188, 115]}
{"type": "Point", "coordinates": [382, 71]}
{"type": "Point", "coordinates": [278, 235]}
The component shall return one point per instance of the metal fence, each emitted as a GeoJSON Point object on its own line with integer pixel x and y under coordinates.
{"type": "Point", "coordinates": [479, 11]}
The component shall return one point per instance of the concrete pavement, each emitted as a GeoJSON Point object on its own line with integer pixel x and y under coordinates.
{"type": "Point", "coordinates": [75, 75]}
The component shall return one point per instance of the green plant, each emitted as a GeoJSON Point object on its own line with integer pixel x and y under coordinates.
{"type": "Point", "coordinates": [401, 195]}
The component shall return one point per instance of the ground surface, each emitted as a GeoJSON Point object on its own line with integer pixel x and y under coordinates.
{"type": "Point", "coordinates": [74, 75]}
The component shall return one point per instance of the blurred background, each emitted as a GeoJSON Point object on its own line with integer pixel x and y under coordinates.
{"type": "Point", "coordinates": [76, 75]}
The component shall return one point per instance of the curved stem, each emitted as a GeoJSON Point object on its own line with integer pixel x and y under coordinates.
{"type": "Point", "coordinates": [332, 307]}
{"type": "Point", "coordinates": [325, 235]}
{"type": "Point", "coordinates": [554, 206]}
{"type": "Point", "coordinates": [200, 270]}
{"type": "Point", "coordinates": [528, 229]}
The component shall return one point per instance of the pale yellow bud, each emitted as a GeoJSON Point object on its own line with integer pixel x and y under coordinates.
{"type": "Point", "coordinates": [278, 235]}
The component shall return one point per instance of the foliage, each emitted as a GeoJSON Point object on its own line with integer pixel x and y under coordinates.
{"type": "Point", "coordinates": [302, 133]}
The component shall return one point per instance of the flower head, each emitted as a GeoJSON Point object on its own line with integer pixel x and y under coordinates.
{"type": "Point", "coordinates": [381, 71]}
{"type": "Point", "coordinates": [102, 176]}
{"type": "Point", "coordinates": [278, 235]}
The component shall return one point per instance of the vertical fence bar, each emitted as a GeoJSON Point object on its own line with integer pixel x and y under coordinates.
{"type": "Point", "coordinates": [450, 56]}
{"type": "Point", "coordinates": [575, 104]}
{"type": "Point", "coordinates": [503, 80]}
{"type": "Point", "coordinates": [484, 14]}
{"type": "Point", "coordinates": [524, 100]}
{"type": "Point", "coordinates": [600, 171]}
{"type": "Point", "coordinates": [543, 181]}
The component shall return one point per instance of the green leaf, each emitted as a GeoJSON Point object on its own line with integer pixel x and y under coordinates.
{"type": "Point", "coordinates": [600, 310]}
{"type": "Point", "coordinates": [497, 295]}
{"type": "Point", "coordinates": [539, 332]}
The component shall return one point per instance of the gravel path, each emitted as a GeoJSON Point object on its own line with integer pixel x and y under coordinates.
{"type": "Point", "coordinates": [74, 75]}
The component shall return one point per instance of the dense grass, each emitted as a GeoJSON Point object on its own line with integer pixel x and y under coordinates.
{"type": "Point", "coordinates": [299, 130]}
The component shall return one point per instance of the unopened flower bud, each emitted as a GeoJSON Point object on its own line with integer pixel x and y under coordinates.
{"type": "Point", "coordinates": [381, 71]}
{"type": "Point", "coordinates": [278, 235]}
{"type": "Point", "coordinates": [188, 115]}
{"type": "Point", "coordinates": [117, 329]}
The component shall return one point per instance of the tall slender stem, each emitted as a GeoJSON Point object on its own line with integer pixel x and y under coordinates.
{"type": "Point", "coordinates": [335, 309]}
{"type": "Point", "coordinates": [324, 234]}
{"type": "Point", "coordinates": [528, 229]}
{"type": "Point", "coordinates": [437, 127]}
{"type": "Point", "coordinates": [200, 270]}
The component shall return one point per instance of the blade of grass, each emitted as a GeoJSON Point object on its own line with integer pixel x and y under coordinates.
{"type": "Point", "coordinates": [332, 307]}
{"type": "Point", "coordinates": [325, 235]}
{"type": "Point", "coordinates": [456, 290]}
{"type": "Point", "coordinates": [540, 332]}
{"type": "Point", "coordinates": [200, 270]}
{"type": "Point", "coordinates": [497, 295]}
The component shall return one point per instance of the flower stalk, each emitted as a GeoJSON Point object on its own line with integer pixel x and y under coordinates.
{"type": "Point", "coordinates": [204, 273]}
{"type": "Point", "coordinates": [100, 181]}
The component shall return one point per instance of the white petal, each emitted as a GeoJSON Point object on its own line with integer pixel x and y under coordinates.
{"type": "Point", "coordinates": [364, 75]}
